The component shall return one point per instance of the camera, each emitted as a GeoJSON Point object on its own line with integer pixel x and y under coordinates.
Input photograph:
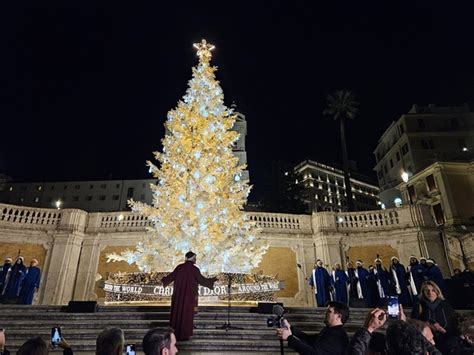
{"type": "Point", "coordinates": [275, 322]}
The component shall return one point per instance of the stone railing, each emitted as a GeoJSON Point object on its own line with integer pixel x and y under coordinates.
{"type": "Point", "coordinates": [129, 221]}
{"type": "Point", "coordinates": [288, 223]}
{"type": "Point", "coordinates": [394, 218]}
{"type": "Point", "coordinates": [43, 218]}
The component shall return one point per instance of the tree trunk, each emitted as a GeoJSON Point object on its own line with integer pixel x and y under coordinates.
{"type": "Point", "coordinates": [345, 162]}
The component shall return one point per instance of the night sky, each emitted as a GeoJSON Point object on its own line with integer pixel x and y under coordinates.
{"type": "Point", "coordinates": [85, 87]}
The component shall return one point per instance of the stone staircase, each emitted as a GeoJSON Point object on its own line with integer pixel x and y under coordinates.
{"type": "Point", "coordinates": [81, 329]}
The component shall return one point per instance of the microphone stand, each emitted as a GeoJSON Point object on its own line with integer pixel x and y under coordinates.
{"type": "Point", "coordinates": [226, 326]}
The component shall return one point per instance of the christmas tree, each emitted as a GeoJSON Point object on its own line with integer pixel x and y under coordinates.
{"type": "Point", "coordinates": [198, 200]}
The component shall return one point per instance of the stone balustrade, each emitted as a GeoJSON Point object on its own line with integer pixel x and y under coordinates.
{"type": "Point", "coordinates": [108, 222]}
{"type": "Point", "coordinates": [30, 217]}
{"type": "Point", "coordinates": [394, 218]}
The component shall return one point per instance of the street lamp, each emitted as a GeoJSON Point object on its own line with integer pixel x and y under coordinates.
{"type": "Point", "coordinates": [465, 149]}
{"type": "Point", "coordinates": [120, 217]}
{"type": "Point", "coordinates": [405, 176]}
{"type": "Point", "coordinates": [58, 204]}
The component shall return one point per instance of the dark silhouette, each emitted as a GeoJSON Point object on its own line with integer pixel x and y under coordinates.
{"type": "Point", "coordinates": [342, 105]}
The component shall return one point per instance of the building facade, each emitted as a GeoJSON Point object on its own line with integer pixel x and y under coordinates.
{"type": "Point", "coordinates": [424, 135]}
{"type": "Point", "coordinates": [324, 188]}
{"type": "Point", "coordinates": [448, 190]}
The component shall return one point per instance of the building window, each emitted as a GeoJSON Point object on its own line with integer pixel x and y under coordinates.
{"type": "Point", "coordinates": [50, 199]}
{"type": "Point", "coordinates": [117, 186]}
{"type": "Point", "coordinates": [391, 163]}
{"type": "Point", "coordinates": [142, 197]}
{"type": "Point", "coordinates": [75, 198]}
{"type": "Point", "coordinates": [11, 188]}
{"type": "Point", "coordinates": [398, 156]}
{"type": "Point", "coordinates": [421, 123]}
{"type": "Point", "coordinates": [91, 187]}
{"type": "Point", "coordinates": [398, 202]}
{"type": "Point", "coordinates": [411, 193]}
{"type": "Point", "coordinates": [385, 169]}
{"type": "Point", "coordinates": [438, 213]}
{"type": "Point", "coordinates": [65, 187]}
{"type": "Point", "coordinates": [52, 187]}
{"type": "Point", "coordinates": [144, 185]}
{"type": "Point", "coordinates": [402, 129]}
{"type": "Point", "coordinates": [103, 186]}
{"type": "Point", "coordinates": [130, 192]}
{"type": "Point", "coordinates": [405, 149]}
{"type": "Point", "coordinates": [430, 183]}
{"type": "Point", "coordinates": [115, 197]}
{"type": "Point", "coordinates": [22, 199]}
{"type": "Point", "coordinates": [37, 199]}
{"type": "Point", "coordinates": [89, 198]}
{"type": "Point", "coordinates": [102, 197]}
{"type": "Point", "coordinates": [39, 188]}
{"type": "Point", "coordinates": [77, 187]}
{"type": "Point", "coordinates": [23, 188]}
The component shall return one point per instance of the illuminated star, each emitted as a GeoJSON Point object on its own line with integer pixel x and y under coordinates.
{"type": "Point", "coordinates": [204, 50]}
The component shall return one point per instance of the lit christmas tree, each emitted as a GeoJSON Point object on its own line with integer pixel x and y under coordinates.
{"type": "Point", "coordinates": [198, 201]}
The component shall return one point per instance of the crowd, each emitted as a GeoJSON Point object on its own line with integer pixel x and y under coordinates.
{"type": "Point", "coordinates": [434, 329]}
{"type": "Point", "coordinates": [157, 341]}
{"type": "Point", "coordinates": [361, 287]}
{"type": "Point", "coordinates": [19, 282]}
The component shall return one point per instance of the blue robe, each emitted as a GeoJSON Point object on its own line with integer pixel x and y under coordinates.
{"type": "Point", "coordinates": [363, 278]}
{"type": "Point", "coordinates": [339, 281]}
{"type": "Point", "coordinates": [434, 274]}
{"type": "Point", "coordinates": [30, 283]}
{"type": "Point", "coordinates": [402, 292]}
{"type": "Point", "coordinates": [3, 275]}
{"type": "Point", "coordinates": [382, 277]}
{"type": "Point", "coordinates": [375, 300]}
{"type": "Point", "coordinates": [417, 272]}
{"type": "Point", "coordinates": [15, 279]}
{"type": "Point", "coordinates": [323, 283]}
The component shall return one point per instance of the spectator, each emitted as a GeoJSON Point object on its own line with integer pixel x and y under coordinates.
{"type": "Point", "coordinates": [34, 346]}
{"type": "Point", "coordinates": [3, 349]}
{"type": "Point", "coordinates": [402, 338]}
{"type": "Point", "coordinates": [331, 340]}
{"type": "Point", "coordinates": [433, 308]}
{"type": "Point", "coordinates": [110, 342]}
{"type": "Point", "coordinates": [160, 341]}
{"type": "Point", "coordinates": [425, 329]}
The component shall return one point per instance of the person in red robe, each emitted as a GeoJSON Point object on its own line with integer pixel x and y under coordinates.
{"type": "Point", "coordinates": [187, 278]}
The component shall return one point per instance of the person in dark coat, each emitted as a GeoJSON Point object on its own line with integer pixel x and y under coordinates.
{"type": "Point", "coordinates": [399, 281]}
{"type": "Point", "coordinates": [7, 264]}
{"type": "Point", "coordinates": [383, 282]}
{"type": "Point", "coordinates": [362, 276]}
{"type": "Point", "coordinates": [30, 283]}
{"type": "Point", "coordinates": [352, 281]}
{"type": "Point", "coordinates": [416, 276]}
{"type": "Point", "coordinates": [433, 308]}
{"type": "Point", "coordinates": [433, 273]}
{"type": "Point", "coordinates": [321, 284]}
{"type": "Point", "coordinates": [331, 340]}
{"type": "Point", "coordinates": [187, 278]}
{"type": "Point", "coordinates": [373, 288]}
{"type": "Point", "coordinates": [339, 281]}
{"type": "Point", "coordinates": [15, 278]}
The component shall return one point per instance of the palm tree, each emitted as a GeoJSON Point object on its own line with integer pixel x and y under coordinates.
{"type": "Point", "coordinates": [342, 105]}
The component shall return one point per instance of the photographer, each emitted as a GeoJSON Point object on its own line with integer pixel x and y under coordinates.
{"type": "Point", "coordinates": [332, 339]}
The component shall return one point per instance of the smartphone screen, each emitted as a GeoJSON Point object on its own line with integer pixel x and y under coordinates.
{"type": "Point", "coordinates": [55, 336]}
{"type": "Point", "coordinates": [393, 307]}
{"type": "Point", "coordinates": [130, 349]}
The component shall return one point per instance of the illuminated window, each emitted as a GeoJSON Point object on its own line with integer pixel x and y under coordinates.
{"type": "Point", "coordinates": [398, 202]}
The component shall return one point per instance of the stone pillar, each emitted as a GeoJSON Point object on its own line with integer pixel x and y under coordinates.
{"type": "Point", "coordinates": [87, 269]}
{"type": "Point", "coordinates": [64, 257]}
